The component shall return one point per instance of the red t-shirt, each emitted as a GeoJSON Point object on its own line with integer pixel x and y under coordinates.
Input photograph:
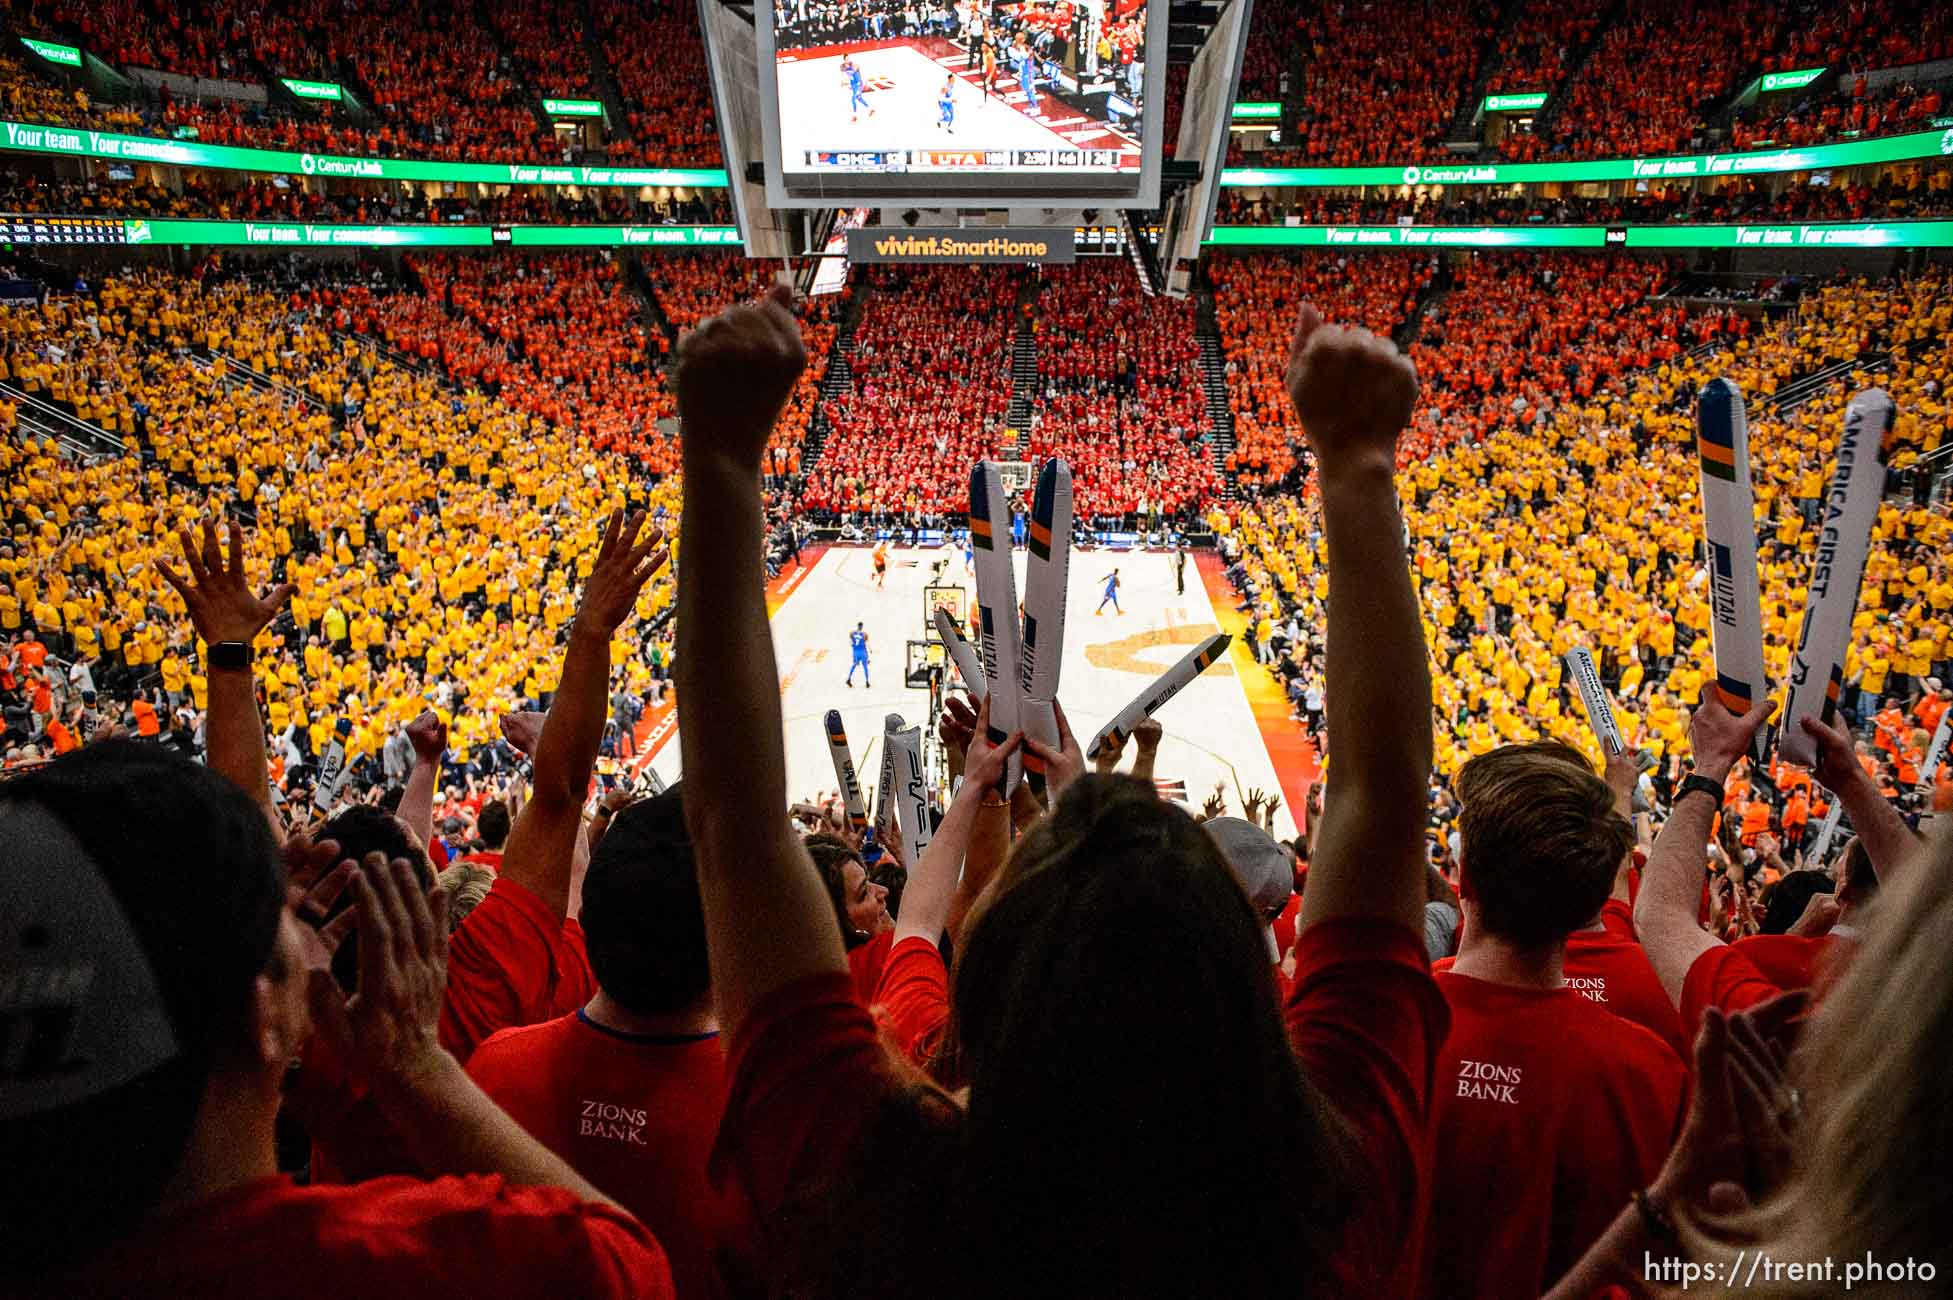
{"type": "Point", "coordinates": [1364, 1017]}
{"type": "Point", "coordinates": [865, 962]}
{"type": "Point", "coordinates": [1616, 973]}
{"type": "Point", "coordinates": [1721, 977]}
{"type": "Point", "coordinates": [1549, 1112]}
{"type": "Point", "coordinates": [461, 1237]}
{"type": "Point", "coordinates": [1790, 961]}
{"type": "Point", "coordinates": [506, 965]}
{"type": "Point", "coordinates": [635, 1114]}
{"type": "Point", "coordinates": [913, 999]}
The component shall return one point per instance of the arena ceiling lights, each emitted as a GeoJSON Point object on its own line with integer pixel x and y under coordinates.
{"type": "Point", "coordinates": [28, 137]}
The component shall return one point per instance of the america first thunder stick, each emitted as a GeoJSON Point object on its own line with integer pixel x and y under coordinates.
{"type": "Point", "coordinates": [911, 792]}
{"type": "Point", "coordinates": [885, 790]}
{"type": "Point", "coordinates": [1044, 608]}
{"type": "Point", "coordinates": [1827, 829]}
{"type": "Point", "coordinates": [1722, 445]}
{"type": "Point", "coordinates": [1167, 685]}
{"type": "Point", "coordinates": [1600, 710]}
{"type": "Point", "coordinates": [961, 653]}
{"type": "Point", "coordinates": [997, 608]}
{"type": "Point", "coordinates": [1850, 510]}
{"type": "Point", "coordinates": [837, 749]}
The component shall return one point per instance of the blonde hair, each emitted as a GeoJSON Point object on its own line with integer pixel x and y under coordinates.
{"type": "Point", "coordinates": [1872, 1160]}
{"type": "Point", "coordinates": [467, 884]}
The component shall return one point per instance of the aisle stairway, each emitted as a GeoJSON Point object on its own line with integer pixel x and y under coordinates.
{"type": "Point", "coordinates": [1213, 382]}
{"type": "Point", "coordinates": [1023, 391]}
{"type": "Point", "coordinates": [838, 379]}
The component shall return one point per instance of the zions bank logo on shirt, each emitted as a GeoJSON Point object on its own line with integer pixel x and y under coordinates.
{"type": "Point", "coordinates": [1484, 1081]}
{"type": "Point", "coordinates": [1591, 987]}
{"type": "Point", "coordinates": [612, 1123]}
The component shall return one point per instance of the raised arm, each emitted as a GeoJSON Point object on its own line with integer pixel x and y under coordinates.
{"type": "Point", "coordinates": [542, 844]}
{"type": "Point", "coordinates": [429, 736]}
{"type": "Point", "coordinates": [767, 918]}
{"type": "Point", "coordinates": [1888, 841]}
{"type": "Point", "coordinates": [223, 609]}
{"type": "Point", "coordinates": [1353, 393]}
{"type": "Point", "coordinates": [1671, 884]}
{"type": "Point", "coordinates": [930, 901]}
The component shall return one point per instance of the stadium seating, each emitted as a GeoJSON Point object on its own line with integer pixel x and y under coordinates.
{"type": "Point", "coordinates": [1381, 81]}
{"type": "Point", "coordinates": [658, 60]}
{"type": "Point", "coordinates": [946, 330]}
{"type": "Point", "coordinates": [1122, 398]}
{"type": "Point", "coordinates": [1528, 516]}
{"type": "Point", "coordinates": [421, 516]}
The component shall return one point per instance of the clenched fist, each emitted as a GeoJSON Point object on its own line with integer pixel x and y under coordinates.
{"type": "Point", "coordinates": [1352, 390]}
{"type": "Point", "coordinates": [735, 373]}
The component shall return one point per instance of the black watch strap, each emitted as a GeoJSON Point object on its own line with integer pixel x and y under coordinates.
{"type": "Point", "coordinates": [1696, 781]}
{"type": "Point", "coordinates": [230, 654]}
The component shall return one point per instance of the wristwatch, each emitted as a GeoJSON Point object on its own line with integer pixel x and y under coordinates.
{"type": "Point", "coordinates": [1696, 781]}
{"type": "Point", "coordinates": [230, 654]}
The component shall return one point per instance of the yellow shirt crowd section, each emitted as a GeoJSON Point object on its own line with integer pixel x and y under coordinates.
{"type": "Point", "coordinates": [416, 554]}
{"type": "Point", "coordinates": [1585, 567]}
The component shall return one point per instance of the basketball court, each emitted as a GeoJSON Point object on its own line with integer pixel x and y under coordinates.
{"type": "Point", "coordinates": [1213, 736]}
{"type": "Point", "coordinates": [902, 84]}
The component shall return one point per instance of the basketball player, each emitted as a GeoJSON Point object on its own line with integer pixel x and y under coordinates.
{"type": "Point", "coordinates": [856, 99]}
{"type": "Point", "coordinates": [858, 648]}
{"type": "Point", "coordinates": [1111, 594]}
{"type": "Point", "coordinates": [1020, 54]}
{"type": "Point", "coordinates": [946, 105]}
{"type": "Point", "coordinates": [881, 563]}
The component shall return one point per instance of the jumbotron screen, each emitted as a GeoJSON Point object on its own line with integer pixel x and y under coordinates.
{"type": "Point", "coordinates": [894, 100]}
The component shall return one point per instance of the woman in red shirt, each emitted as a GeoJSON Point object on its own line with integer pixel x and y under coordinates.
{"type": "Point", "coordinates": [1140, 1118]}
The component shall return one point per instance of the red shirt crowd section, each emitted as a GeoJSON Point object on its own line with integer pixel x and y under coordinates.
{"type": "Point", "coordinates": [1256, 297]}
{"type": "Point", "coordinates": [931, 388]}
{"type": "Point", "coordinates": [1656, 70]}
{"type": "Point", "coordinates": [1518, 336]}
{"type": "Point", "coordinates": [1513, 338]}
{"type": "Point", "coordinates": [1854, 113]}
{"type": "Point", "coordinates": [1381, 80]}
{"type": "Point", "coordinates": [1133, 439]}
{"type": "Point", "coordinates": [547, 43]}
{"type": "Point", "coordinates": [658, 62]}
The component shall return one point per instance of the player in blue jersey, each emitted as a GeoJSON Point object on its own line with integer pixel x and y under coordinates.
{"type": "Point", "coordinates": [1111, 594]}
{"type": "Point", "coordinates": [1021, 55]}
{"type": "Point", "coordinates": [858, 647]}
{"type": "Point", "coordinates": [857, 100]}
{"type": "Point", "coordinates": [946, 105]}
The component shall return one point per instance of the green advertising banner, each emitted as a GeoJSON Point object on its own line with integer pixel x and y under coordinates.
{"type": "Point", "coordinates": [1514, 103]}
{"type": "Point", "coordinates": [1257, 112]}
{"type": "Point", "coordinates": [573, 108]}
{"type": "Point", "coordinates": [1789, 80]}
{"type": "Point", "coordinates": [313, 89]}
{"type": "Point", "coordinates": [1888, 234]}
{"type": "Point", "coordinates": [66, 55]}
{"type": "Point", "coordinates": [27, 137]}
{"type": "Point", "coordinates": [1854, 153]}
{"type": "Point", "coordinates": [294, 234]}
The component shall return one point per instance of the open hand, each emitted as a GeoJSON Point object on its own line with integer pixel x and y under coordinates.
{"type": "Point", "coordinates": [221, 604]}
{"type": "Point", "coordinates": [389, 1029]}
{"type": "Point", "coordinates": [624, 564]}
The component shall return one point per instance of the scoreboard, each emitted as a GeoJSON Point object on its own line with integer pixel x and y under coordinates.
{"type": "Point", "coordinates": [962, 160]}
{"type": "Point", "coordinates": [29, 229]}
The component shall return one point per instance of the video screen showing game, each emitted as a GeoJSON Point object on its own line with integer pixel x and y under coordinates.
{"type": "Point", "coordinates": [928, 90]}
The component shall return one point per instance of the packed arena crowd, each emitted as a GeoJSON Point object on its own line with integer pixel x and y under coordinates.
{"type": "Point", "coordinates": [354, 943]}
{"type": "Point", "coordinates": [422, 944]}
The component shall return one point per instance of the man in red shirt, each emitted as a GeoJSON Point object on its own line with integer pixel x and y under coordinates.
{"type": "Point", "coordinates": [138, 1128]}
{"type": "Point", "coordinates": [630, 1087]}
{"type": "Point", "coordinates": [1549, 1112]}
